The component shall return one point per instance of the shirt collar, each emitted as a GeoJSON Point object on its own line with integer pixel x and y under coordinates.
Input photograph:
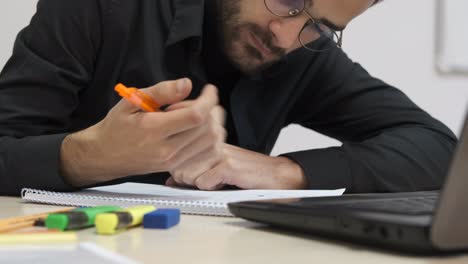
{"type": "Point", "coordinates": [187, 22]}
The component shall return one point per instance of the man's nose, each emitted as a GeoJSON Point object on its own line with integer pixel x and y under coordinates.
{"type": "Point", "coordinates": [286, 31]}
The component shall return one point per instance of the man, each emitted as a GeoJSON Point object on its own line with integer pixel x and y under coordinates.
{"type": "Point", "coordinates": [273, 62]}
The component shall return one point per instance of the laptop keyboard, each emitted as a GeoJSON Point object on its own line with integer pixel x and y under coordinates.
{"type": "Point", "coordinates": [412, 205]}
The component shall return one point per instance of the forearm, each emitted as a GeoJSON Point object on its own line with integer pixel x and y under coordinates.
{"type": "Point", "coordinates": [84, 162]}
{"type": "Point", "coordinates": [79, 163]}
{"type": "Point", "coordinates": [289, 174]}
{"type": "Point", "coordinates": [405, 159]}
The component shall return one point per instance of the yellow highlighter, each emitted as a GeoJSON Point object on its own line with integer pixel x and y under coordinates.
{"type": "Point", "coordinates": [38, 238]}
{"type": "Point", "coordinates": [112, 223]}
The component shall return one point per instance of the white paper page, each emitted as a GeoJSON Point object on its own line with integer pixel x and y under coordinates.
{"type": "Point", "coordinates": [160, 191]}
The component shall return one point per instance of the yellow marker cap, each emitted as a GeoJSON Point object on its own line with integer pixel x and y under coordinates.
{"type": "Point", "coordinates": [111, 223]}
{"type": "Point", "coordinates": [107, 223]}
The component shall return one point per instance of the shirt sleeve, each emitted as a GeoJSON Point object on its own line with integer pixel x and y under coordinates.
{"type": "Point", "coordinates": [389, 143]}
{"type": "Point", "coordinates": [52, 62]}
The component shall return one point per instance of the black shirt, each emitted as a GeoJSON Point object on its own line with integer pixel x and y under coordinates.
{"type": "Point", "coordinates": [65, 64]}
{"type": "Point", "coordinates": [218, 68]}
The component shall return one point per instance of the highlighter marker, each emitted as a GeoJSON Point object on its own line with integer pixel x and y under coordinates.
{"type": "Point", "coordinates": [47, 238]}
{"type": "Point", "coordinates": [78, 218]}
{"type": "Point", "coordinates": [111, 223]}
{"type": "Point", "coordinates": [137, 98]}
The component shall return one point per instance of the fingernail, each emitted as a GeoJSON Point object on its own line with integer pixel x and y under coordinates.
{"type": "Point", "coordinates": [181, 85]}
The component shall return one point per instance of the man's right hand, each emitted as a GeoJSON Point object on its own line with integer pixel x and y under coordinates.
{"type": "Point", "coordinates": [131, 142]}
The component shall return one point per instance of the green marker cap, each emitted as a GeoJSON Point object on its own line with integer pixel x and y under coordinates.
{"type": "Point", "coordinates": [78, 218]}
{"type": "Point", "coordinates": [57, 221]}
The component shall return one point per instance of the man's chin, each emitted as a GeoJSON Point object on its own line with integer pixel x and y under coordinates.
{"type": "Point", "coordinates": [247, 60]}
{"type": "Point", "coordinates": [253, 65]}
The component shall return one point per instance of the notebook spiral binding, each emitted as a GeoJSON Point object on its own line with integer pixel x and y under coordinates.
{"type": "Point", "coordinates": [72, 199]}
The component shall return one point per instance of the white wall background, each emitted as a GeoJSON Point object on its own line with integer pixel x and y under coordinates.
{"type": "Point", "coordinates": [379, 40]}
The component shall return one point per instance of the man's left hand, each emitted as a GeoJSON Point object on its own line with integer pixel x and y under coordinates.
{"type": "Point", "coordinates": [244, 169]}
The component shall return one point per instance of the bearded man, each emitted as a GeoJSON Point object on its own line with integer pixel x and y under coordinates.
{"type": "Point", "coordinates": [231, 74]}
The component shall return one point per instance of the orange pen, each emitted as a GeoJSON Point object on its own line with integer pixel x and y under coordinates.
{"type": "Point", "coordinates": [137, 98]}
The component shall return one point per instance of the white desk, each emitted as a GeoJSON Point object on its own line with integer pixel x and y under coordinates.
{"type": "Point", "coordinates": [218, 240]}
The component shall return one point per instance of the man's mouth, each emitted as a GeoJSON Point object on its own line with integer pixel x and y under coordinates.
{"type": "Point", "coordinates": [260, 46]}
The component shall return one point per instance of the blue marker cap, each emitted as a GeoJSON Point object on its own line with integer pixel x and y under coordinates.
{"type": "Point", "coordinates": [162, 219]}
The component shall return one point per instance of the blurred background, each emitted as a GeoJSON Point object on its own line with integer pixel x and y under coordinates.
{"type": "Point", "coordinates": [395, 41]}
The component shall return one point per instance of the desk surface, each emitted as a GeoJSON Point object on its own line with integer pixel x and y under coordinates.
{"type": "Point", "coordinates": [199, 239]}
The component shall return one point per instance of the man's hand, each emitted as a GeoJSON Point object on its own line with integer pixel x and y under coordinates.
{"type": "Point", "coordinates": [131, 142]}
{"type": "Point", "coordinates": [242, 168]}
{"type": "Point", "coordinates": [208, 154]}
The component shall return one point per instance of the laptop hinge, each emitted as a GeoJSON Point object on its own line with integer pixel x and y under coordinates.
{"type": "Point", "coordinates": [450, 226]}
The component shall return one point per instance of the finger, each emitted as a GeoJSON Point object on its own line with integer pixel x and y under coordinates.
{"type": "Point", "coordinates": [211, 180]}
{"type": "Point", "coordinates": [190, 103]}
{"type": "Point", "coordinates": [171, 182]}
{"type": "Point", "coordinates": [167, 124]}
{"type": "Point", "coordinates": [170, 92]}
{"type": "Point", "coordinates": [187, 140]}
{"type": "Point", "coordinates": [124, 106]}
{"type": "Point", "coordinates": [218, 112]}
{"type": "Point", "coordinates": [197, 115]}
{"type": "Point", "coordinates": [207, 94]}
{"type": "Point", "coordinates": [183, 104]}
{"type": "Point", "coordinates": [163, 93]}
{"type": "Point", "coordinates": [219, 115]}
{"type": "Point", "coordinates": [175, 122]}
{"type": "Point", "coordinates": [192, 142]}
{"type": "Point", "coordinates": [191, 169]}
{"type": "Point", "coordinates": [180, 105]}
{"type": "Point", "coordinates": [207, 100]}
{"type": "Point", "coordinates": [174, 182]}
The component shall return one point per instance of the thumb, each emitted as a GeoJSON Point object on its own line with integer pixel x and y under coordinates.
{"type": "Point", "coordinates": [219, 114]}
{"type": "Point", "coordinates": [170, 92]}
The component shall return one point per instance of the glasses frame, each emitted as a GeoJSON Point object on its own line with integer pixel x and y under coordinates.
{"type": "Point", "coordinates": [297, 12]}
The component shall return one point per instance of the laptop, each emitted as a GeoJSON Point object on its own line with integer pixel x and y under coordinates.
{"type": "Point", "coordinates": [418, 222]}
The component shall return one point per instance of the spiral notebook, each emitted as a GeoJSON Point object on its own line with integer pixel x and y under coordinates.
{"type": "Point", "coordinates": [189, 201]}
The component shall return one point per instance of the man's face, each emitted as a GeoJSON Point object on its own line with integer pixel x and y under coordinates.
{"type": "Point", "coordinates": [254, 38]}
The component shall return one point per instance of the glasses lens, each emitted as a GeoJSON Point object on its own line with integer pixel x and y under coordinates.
{"type": "Point", "coordinates": [285, 8]}
{"type": "Point", "coordinates": [318, 37]}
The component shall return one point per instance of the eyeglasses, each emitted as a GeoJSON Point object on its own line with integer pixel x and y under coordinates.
{"type": "Point", "coordinates": [314, 36]}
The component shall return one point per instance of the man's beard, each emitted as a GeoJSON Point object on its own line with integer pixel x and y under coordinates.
{"type": "Point", "coordinates": [239, 51]}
